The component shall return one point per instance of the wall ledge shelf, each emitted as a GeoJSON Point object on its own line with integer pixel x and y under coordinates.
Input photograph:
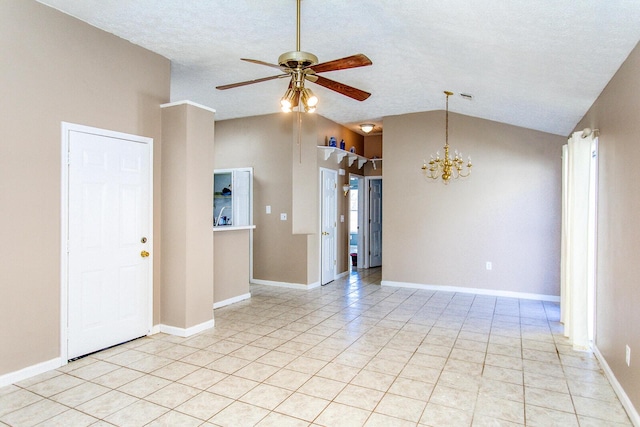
{"type": "Point", "coordinates": [340, 154]}
{"type": "Point", "coordinates": [374, 162]}
{"type": "Point", "coordinates": [233, 227]}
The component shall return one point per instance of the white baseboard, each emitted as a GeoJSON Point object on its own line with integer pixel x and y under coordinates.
{"type": "Point", "coordinates": [184, 333]}
{"type": "Point", "coordinates": [233, 300]}
{"type": "Point", "coordinates": [344, 273]}
{"type": "Point", "coordinates": [29, 371]}
{"type": "Point", "coordinates": [285, 284]}
{"type": "Point", "coordinates": [632, 412]}
{"type": "Point", "coordinates": [477, 291]}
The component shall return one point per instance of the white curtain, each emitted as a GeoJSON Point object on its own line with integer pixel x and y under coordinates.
{"type": "Point", "coordinates": [578, 239]}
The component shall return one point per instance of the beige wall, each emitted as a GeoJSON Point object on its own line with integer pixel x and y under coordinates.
{"type": "Point", "coordinates": [373, 146]}
{"type": "Point", "coordinates": [56, 68]}
{"type": "Point", "coordinates": [264, 143]}
{"type": "Point", "coordinates": [231, 262]}
{"type": "Point", "coordinates": [507, 212]}
{"type": "Point", "coordinates": [616, 114]}
{"type": "Point", "coordinates": [269, 145]}
{"type": "Point", "coordinates": [187, 233]}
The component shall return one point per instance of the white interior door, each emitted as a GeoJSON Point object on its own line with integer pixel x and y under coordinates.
{"type": "Point", "coordinates": [109, 241]}
{"type": "Point", "coordinates": [329, 213]}
{"type": "Point", "coordinates": [375, 222]}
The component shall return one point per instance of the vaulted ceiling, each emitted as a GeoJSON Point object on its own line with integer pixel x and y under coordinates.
{"type": "Point", "coordinates": [539, 64]}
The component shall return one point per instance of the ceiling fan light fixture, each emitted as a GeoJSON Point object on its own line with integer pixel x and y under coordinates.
{"type": "Point", "coordinates": [367, 127]}
{"type": "Point", "coordinates": [287, 100]}
{"type": "Point", "coordinates": [308, 98]}
{"type": "Point", "coordinates": [301, 66]}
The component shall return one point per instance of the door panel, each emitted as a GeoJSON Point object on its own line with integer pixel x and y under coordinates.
{"type": "Point", "coordinates": [375, 223]}
{"type": "Point", "coordinates": [109, 211]}
{"type": "Point", "coordinates": [329, 213]}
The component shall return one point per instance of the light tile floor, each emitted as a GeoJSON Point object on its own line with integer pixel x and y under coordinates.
{"type": "Point", "coordinates": [351, 353]}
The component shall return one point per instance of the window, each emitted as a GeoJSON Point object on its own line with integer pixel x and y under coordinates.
{"type": "Point", "coordinates": [232, 190]}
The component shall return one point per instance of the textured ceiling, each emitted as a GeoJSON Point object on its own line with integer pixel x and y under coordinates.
{"type": "Point", "coordinates": [539, 64]}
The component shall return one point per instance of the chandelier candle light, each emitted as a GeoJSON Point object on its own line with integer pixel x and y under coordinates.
{"type": "Point", "coordinates": [447, 167]}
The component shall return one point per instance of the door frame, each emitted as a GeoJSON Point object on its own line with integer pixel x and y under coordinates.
{"type": "Point", "coordinates": [321, 172]}
{"type": "Point", "coordinates": [66, 129]}
{"type": "Point", "coordinates": [361, 219]}
{"type": "Point", "coordinates": [367, 234]}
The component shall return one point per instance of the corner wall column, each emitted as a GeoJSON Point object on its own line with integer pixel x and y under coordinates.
{"type": "Point", "coordinates": [187, 225]}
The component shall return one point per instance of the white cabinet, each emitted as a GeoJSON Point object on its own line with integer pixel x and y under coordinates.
{"type": "Point", "coordinates": [232, 197]}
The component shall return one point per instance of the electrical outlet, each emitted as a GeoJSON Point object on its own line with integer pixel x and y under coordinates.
{"type": "Point", "coordinates": [283, 217]}
{"type": "Point", "coordinates": [627, 357]}
{"type": "Point", "coordinates": [489, 265]}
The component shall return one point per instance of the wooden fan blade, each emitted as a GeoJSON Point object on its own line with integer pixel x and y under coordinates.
{"type": "Point", "coordinates": [351, 92]}
{"type": "Point", "coordinates": [256, 61]}
{"type": "Point", "coordinates": [353, 61]}
{"type": "Point", "coordinates": [250, 82]}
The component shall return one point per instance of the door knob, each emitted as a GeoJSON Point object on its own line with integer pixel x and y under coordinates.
{"type": "Point", "coordinates": [324, 233]}
{"type": "Point", "coordinates": [144, 254]}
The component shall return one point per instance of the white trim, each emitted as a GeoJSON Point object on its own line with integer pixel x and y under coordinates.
{"type": "Point", "coordinates": [632, 412]}
{"type": "Point", "coordinates": [230, 301]}
{"type": "Point", "coordinates": [185, 333]}
{"type": "Point", "coordinates": [155, 329]}
{"type": "Point", "coordinates": [66, 128]}
{"type": "Point", "coordinates": [193, 104]}
{"type": "Point", "coordinates": [30, 371]}
{"type": "Point", "coordinates": [477, 291]}
{"type": "Point", "coordinates": [285, 284]}
{"type": "Point", "coordinates": [344, 273]}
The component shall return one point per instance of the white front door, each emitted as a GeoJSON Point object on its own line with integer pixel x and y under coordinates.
{"type": "Point", "coordinates": [329, 213]}
{"type": "Point", "coordinates": [109, 241]}
{"type": "Point", "coordinates": [375, 222]}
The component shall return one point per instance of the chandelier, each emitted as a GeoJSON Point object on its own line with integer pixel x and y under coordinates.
{"type": "Point", "coordinates": [447, 167]}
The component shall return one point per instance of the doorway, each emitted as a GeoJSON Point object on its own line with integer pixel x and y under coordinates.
{"type": "Point", "coordinates": [107, 241]}
{"type": "Point", "coordinates": [356, 220]}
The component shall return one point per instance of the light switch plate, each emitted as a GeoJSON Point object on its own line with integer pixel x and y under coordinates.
{"type": "Point", "coordinates": [341, 218]}
{"type": "Point", "coordinates": [268, 209]}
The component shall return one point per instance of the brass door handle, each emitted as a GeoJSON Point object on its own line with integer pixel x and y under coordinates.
{"type": "Point", "coordinates": [144, 254]}
{"type": "Point", "coordinates": [325, 233]}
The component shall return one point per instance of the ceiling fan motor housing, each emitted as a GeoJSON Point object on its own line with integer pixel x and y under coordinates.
{"type": "Point", "coordinates": [297, 59]}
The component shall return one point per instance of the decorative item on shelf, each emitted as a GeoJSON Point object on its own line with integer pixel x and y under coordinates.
{"type": "Point", "coordinates": [352, 150]}
{"type": "Point", "coordinates": [342, 144]}
{"type": "Point", "coordinates": [226, 191]}
{"type": "Point", "coordinates": [447, 167]}
{"type": "Point", "coordinates": [332, 142]}
{"type": "Point", "coordinates": [345, 188]}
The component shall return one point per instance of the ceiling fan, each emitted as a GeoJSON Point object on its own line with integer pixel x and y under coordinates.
{"type": "Point", "coordinates": [301, 66]}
